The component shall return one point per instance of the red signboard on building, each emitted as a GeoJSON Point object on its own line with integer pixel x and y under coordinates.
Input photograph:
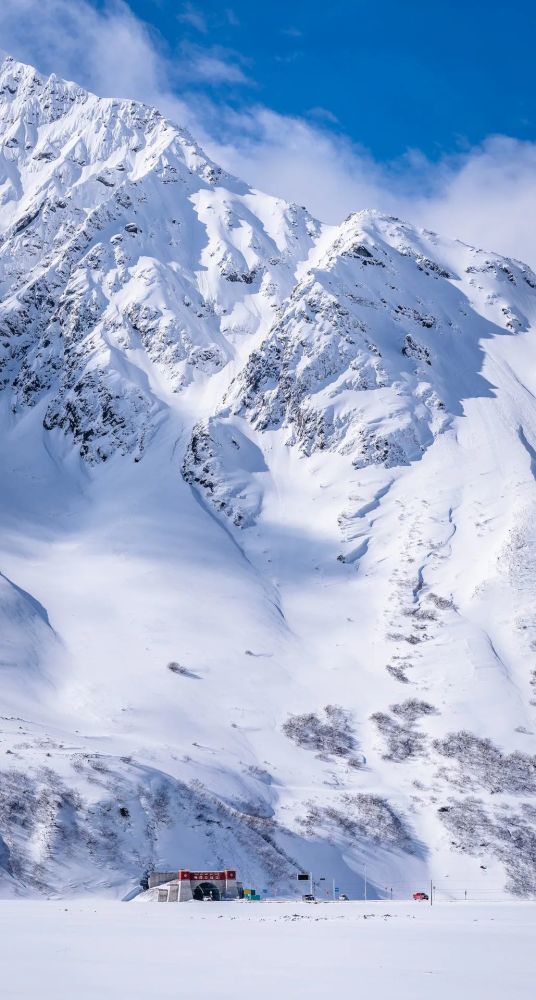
{"type": "Point", "coordinates": [185, 875]}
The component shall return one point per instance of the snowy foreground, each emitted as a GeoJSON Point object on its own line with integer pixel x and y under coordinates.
{"type": "Point", "coordinates": [284, 950]}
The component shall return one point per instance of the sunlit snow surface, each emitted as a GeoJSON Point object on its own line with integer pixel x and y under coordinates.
{"type": "Point", "coordinates": [295, 461]}
{"type": "Point", "coordinates": [291, 951]}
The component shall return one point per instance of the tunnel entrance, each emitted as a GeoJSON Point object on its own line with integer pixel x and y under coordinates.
{"type": "Point", "coordinates": [206, 890]}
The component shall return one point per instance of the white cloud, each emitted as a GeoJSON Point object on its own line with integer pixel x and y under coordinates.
{"type": "Point", "coordinates": [300, 161]}
{"type": "Point", "coordinates": [487, 196]}
{"type": "Point", "coordinates": [192, 15]}
{"type": "Point", "coordinates": [212, 66]}
{"type": "Point", "coordinates": [214, 70]}
{"type": "Point", "coordinates": [322, 115]}
{"type": "Point", "coordinates": [108, 50]}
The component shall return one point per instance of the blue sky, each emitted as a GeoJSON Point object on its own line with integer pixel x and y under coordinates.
{"type": "Point", "coordinates": [438, 76]}
{"type": "Point", "coordinates": [425, 110]}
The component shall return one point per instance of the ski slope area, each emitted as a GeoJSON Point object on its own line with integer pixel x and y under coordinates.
{"type": "Point", "coordinates": [290, 950]}
{"type": "Point", "coordinates": [268, 523]}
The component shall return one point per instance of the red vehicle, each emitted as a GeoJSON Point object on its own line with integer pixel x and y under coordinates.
{"type": "Point", "coordinates": [420, 896]}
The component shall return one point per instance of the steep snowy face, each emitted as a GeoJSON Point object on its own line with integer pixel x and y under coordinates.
{"type": "Point", "coordinates": [268, 525]}
{"type": "Point", "coordinates": [371, 356]}
{"type": "Point", "coordinates": [375, 348]}
{"type": "Point", "coordinates": [30, 651]}
{"type": "Point", "coordinates": [127, 257]}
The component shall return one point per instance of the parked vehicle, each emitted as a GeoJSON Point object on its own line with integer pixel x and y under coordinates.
{"type": "Point", "coordinates": [343, 896]}
{"type": "Point", "coordinates": [308, 898]}
{"type": "Point", "coordinates": [421, 896]}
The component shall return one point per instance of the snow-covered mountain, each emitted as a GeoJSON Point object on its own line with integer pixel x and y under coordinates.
{"type": "Point", "coordinates": [268, 522]}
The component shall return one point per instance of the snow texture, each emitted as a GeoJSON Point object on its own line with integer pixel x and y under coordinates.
{"type": "Point", "coordinates": [293, 950]}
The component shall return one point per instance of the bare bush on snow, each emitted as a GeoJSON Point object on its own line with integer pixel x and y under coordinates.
{"type": "Point", "coordinates": [330, 737]}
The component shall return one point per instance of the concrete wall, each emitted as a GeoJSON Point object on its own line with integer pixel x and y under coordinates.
{"type": "Point", "coordinates": [158, 878]}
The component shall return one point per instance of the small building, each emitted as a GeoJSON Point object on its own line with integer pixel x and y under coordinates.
{"type": "Point", "coordinates": [181, 886]}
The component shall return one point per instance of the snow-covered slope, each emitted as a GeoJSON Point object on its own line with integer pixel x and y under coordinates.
{"type": "Point", "coordinates": [268, 525]}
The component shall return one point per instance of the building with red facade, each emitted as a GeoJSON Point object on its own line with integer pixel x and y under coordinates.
{"type": "Point", "coordinates": [183, 885]}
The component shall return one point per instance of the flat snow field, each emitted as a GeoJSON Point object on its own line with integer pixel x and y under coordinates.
{"type": "Point", "coordinates": [91, 950]}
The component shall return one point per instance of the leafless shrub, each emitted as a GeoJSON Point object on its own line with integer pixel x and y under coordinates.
{"type": "Point", "coordinates": [368, 816]}
{"type": "Point", "coordinates": [507, 835]}
{"type": "Point", "coordinates": [397, 672]}
{"type": "Point", "coordinates": [401, 637]}
{"type": "Point", "coordinates": [402, 741]}
{"type": "Point", "coordinates": [443, 603]}
{"type": "Point", "coordinates": [421, 614]}
{"type": "Point", "coordinates": [332, 736]}
{"type": "Point", "coordinates": [413, 709]}
{"type": "Point", "coordinates": [482, 762]}
{"type": "Point", "coordinates": [98, 764]}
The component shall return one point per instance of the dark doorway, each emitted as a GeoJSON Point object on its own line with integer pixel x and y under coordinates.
{"type": "Point", "coordinates": [207, 890]}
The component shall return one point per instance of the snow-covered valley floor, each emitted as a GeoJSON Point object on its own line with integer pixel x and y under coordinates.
{"type": "Point", "coordinates": [285, 950]}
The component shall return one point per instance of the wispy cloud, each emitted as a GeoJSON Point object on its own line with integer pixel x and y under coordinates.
{"type": "Point", "coordinates": [211, 66]}
{"type": "Point", "coordinates": [194, 17]}
{"type": "Point", "coordinates": [288, 57]}
{"type": "Point", "coordinates": [486, 196]}
{"type": "Point", "coordinates": [112, 52]}
{"type": "Point", "coordinates": [323, 115]}
{"type": "Point", "coordinates": [232, 17]}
